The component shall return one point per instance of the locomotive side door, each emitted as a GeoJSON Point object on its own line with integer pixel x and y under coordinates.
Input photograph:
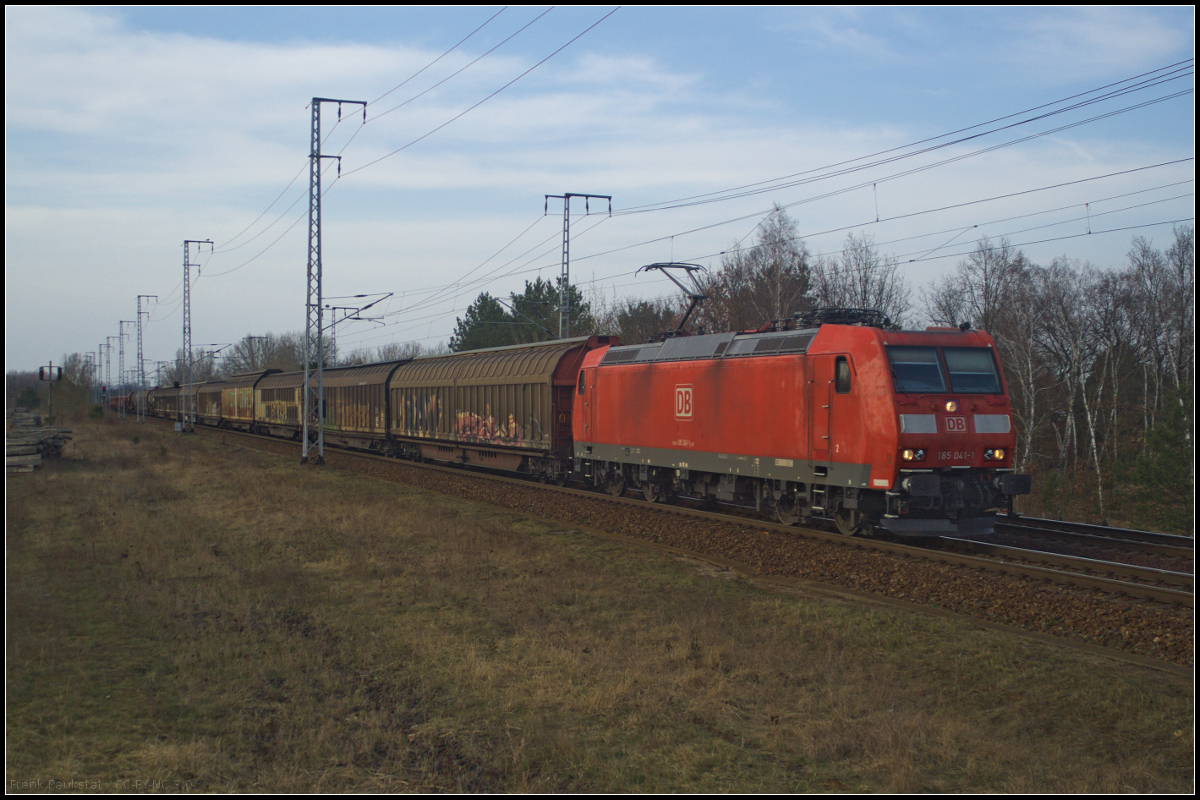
{"type": "Point", "coordinates": [586, 395]}
{"type": "Point", "coordinates": [845, 426]}
{"type": "Point", "coordinates": [820, 398]}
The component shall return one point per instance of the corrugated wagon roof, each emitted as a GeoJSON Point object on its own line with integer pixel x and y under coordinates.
{"type": "Point", "coordinates": [244, 379]}
{"type": "Point", "coordinates": [282, 380]}
{"type": "Point", "coordinates": [361, 374]}
{"type": "Point", "coordinates": [522, 364]}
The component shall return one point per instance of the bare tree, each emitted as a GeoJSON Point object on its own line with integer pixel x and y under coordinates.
{"type": "Point", "coordinates": [1181, 271]}
{"type": "Point", "coordinates": [270, 351]}
{"type": "Point", "coordinates": [978, 291]}
{"type": "Point", "coordinates": [1163, 308]}
{"type": "Point", "coordinates": [203, 367]}
{"type": "Point", "coordinates": [1085, 353]}
{"type": "Point", "coordinates": [862, 278]}
{"type": "Point", "coordinates": [394, 351]}
{"type": "Point", "coordinates": [764, 282]}
{"type": "Point", "coordinates": [1026, 371]}
{"type": "Point", "coordinates": [633, 320]}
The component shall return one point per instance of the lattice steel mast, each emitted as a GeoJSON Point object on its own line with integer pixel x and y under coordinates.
{"type": "Point", "coordinates": [121, 370]}
{"type": "Point", "coordinates": [141, 397]}
{"type": "Point", "coordinates": [314, 339]}
{"type": "Point", "coordinates": [108, 384]}
{"type": "Point", "coordinates": [89, 369]}
{"type": "Point", "coordinates": [564, 282]}
{"type": "Point", "coordinates": [188, 405]}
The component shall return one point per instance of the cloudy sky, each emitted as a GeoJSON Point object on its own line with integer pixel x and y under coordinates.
{"type": "Point", "coordinates": [127, 131]}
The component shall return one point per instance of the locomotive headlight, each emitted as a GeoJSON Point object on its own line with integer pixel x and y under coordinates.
{"type": "Point", "coordinates": [952, 406]}
{"type": "Point", "coordinates": [913, 455]}
{"type": "Point", "coordinates": [996, 454]}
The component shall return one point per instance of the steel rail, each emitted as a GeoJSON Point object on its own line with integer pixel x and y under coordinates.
{"type": "Point", "coordinates": [1090, 565]}
{"type": "Point", "coordinates": [1122, 535]}
{"type": "Point", "coordinates": [1077, 579]}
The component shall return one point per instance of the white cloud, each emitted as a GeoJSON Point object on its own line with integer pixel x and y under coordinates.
{"type": "Point", "coordinates": [119, 144]}
{"type": "Point", "coordinates": [1086, 43]}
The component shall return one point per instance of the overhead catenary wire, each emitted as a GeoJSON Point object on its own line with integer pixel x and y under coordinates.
{"type": "Point", "coordinates": [426, 135]}
{"type": "Point", "coordinates": [1171, 74]}
{"type": "Point", "coordinates": [462, 69]}
{"type": "Point", "coordinates": [898, 175]}
{"type": "Point", "coordinates": [331, 130]}
{"type": "Point", "coordinates": [557, 234]}
{"type": "Point", "coordinates": [484, 280]}
{"type": "Point", "coordinates": [773, 184]}
{"type": "Point", "coordinates": [484, 100]}
{"type": "Point", "coordinates": [457, 44]}
{"type": "Point", "coordinates": [924, 255]}
{"type": "Point", "coordinates": [913, 171]}
{"type": "Point", "coordinates": [419, 321]}
{"type": "Point", "coordinates": [1175, 67]}
{"type": "Point", "coordinates": [884, 243]}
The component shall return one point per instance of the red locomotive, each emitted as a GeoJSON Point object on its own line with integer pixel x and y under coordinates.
{"type": "Point", "coordinates": [910, 431]}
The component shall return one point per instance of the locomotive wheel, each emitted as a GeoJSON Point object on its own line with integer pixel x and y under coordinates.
{"type": "Point", "coordinates": [850, 522]}
{"type": "Point", "coordinates": [616, 485]}
{"type": "Point", "coordinates": [655, 492]}
{"type": "Point", "coordinates": [787, 510]}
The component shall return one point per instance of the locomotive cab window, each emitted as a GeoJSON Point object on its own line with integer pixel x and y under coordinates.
{"type": "Point", "coordinates": [972, 370]}
{"type": "Point", "coordinates": [581, 374]}
{"type": "Point", "coordinates": [842, 375]}
{"type": "Point", "coordinates": [916, 370]}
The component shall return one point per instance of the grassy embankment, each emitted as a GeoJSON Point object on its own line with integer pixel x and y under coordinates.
{"type": "Point", "coordinates": [183, 614]}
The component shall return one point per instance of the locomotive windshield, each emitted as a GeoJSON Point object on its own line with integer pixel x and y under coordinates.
{"type": "Point", "coordinates": [972, 370]}
{"type": "Point", "coordinates": [916, 370]}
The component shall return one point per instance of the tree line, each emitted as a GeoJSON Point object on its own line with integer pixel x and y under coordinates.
{"type": "Point", "coordinates": [1100, 362]}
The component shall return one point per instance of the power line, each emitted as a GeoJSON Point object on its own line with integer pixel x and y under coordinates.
{"type": "Point", "coordinates": [472, 63]}
{"type": "Point", "coordinates": [484, 100]}
{"type": "Point", "coordinates": [775, 183]}
{"type": "Point", "coordinates": [859, 186]}
{"type": "Point", "coordinates": [439, 58]}
{"type": "Point", "coordinates": [960, 230]}
{"type": "Point", "coordinates": [426, 135]}
{"type": "Point", "coordinates": [484, 279]}
{"type": "Point", "coordinates": [1145, 84]}
{"type": "Point", "coordinates": [331, 130]}
{"type": "Point", "coordinates": [660, 206]}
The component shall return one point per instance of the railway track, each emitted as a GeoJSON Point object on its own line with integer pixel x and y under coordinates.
{"type": "Point", "coordinates": [1084, 533]}
{"type": "Point", "coordinates": [1161, 586]}
{"type": "Point", "coordinates": [1071, 606]}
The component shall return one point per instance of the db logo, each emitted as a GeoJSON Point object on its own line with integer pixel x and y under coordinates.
{"type": "Point", "coordinates": [683, 402]}
{"type": "Point", "coordinates": [956, 424]}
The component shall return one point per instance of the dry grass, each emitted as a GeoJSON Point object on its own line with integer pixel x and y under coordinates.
{"type": "Point", "coordinates": [183, 614]}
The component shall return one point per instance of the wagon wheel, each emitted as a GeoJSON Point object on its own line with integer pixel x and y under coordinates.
{"type": "Point", "coordinates": [787, 509]}
{"type": "Point", "coordinates": [850, 521]}
{"type": "Point", "coordinates": [561, 478]}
